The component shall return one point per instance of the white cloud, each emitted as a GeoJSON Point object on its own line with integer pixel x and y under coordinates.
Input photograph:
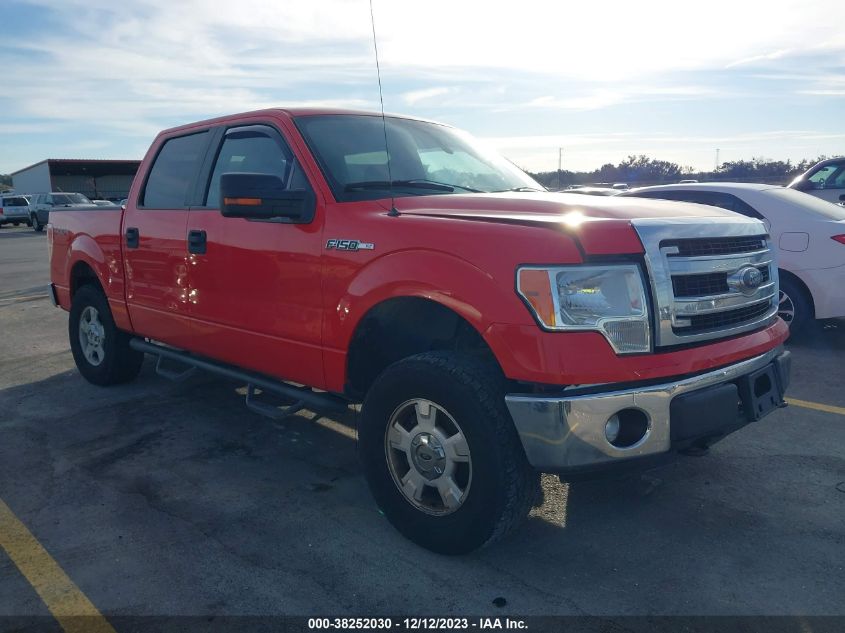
{"type": "Point", "coordinates": [415, 96]}
{"type": "Point", "coordinates": [759, 58]}
{"type": "Point", "coordinates": [124, 70]}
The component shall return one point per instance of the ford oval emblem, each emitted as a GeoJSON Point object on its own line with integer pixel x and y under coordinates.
{"type": "Point", "coordinates": [751, 278]}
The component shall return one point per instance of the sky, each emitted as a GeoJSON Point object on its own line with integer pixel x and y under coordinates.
{"type": "Point", "coordinates": [675, 81]}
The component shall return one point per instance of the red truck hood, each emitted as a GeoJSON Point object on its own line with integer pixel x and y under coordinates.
{"type": "Point", "coordinates": [602, 224]}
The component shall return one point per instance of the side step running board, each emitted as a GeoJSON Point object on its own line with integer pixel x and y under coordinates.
{"type": "Point", "coordinates": [302, 397]}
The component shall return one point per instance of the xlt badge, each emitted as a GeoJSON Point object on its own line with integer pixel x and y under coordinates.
{"type": "Point", "coordinates": [349, 245]}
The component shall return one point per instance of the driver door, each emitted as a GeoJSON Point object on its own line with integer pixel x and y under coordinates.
{"type": "Point", "coordinates": [256, 287]}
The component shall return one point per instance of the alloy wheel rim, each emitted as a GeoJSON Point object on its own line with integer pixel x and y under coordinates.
{"type": "Point", "coordinates": [92, 336]}
{"type": "Point", "coordinates": [786, 308]}
{"type": "Point", "coordinates": [428, 457]}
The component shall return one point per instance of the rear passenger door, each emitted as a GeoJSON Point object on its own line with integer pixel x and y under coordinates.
{"type": "Point", "coordinates": [154, 242]}
{"type": "Point", "coordinates": [256, 287]}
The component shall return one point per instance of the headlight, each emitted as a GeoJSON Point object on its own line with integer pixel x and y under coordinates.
{"type": "Point", "coordinates": [609, 299]}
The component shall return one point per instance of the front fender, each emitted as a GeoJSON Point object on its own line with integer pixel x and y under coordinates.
{"type": "Point", "coordinates": [474, 294]}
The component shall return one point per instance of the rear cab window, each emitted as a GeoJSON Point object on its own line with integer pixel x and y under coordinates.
{"type": "Point", "coordinates": [173, 174]}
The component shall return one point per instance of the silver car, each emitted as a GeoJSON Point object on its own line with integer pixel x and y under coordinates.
{"type": "Point", "coordinates": [43, 203]}
{"type": "Point", "coordinates": [14, 209]}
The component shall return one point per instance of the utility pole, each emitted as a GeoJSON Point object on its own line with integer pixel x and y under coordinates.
{"type": "Point", "coordinates": [559, 167]}
{"type": "Point", "coordinates": [717, 160]}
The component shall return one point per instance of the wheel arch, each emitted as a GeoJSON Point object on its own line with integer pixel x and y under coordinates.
{"type": "Point", "coordinates": [81, 274]}
{"type": "Point", "coordinates": [451, 289]}
{"type": "Point", "coordinates": [785, 274]}
{"type": "Point", "coordinates": [403, 326]}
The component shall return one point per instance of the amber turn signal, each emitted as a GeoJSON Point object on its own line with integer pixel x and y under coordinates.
{"type": "Point", "coordinates": [246, 202]}
{"type": "Point", "coordinates": [536, 287]}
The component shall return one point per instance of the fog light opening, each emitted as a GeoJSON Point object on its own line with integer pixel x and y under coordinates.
{"type": "Point", "coordinates": [611, 429]}
{"type": "Point", "coordinates": [626, 428]}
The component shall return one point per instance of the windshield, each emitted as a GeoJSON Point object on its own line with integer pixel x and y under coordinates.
{"type": "Point", "coordinates": [70, 198]}
{"type": "Point", "coordinates": [827, 209]}
{"type": "Point", "coordinates": [425, 158]}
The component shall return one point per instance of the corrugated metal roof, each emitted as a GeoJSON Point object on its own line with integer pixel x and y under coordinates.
{"type": "Point", "coordinates": [97, 161]}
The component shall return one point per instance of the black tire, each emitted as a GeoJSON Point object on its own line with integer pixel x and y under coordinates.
{"type": "Point", "coordinates": [119, 363]}
{"type": "Point", "coordinates": [795, 307]}
{"type": "Point", "coordinates": [36, 224]}
{"type": "Point", "coordinates": [503, 485]}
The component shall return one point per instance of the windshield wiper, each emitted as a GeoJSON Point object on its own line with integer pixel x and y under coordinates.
{"type": "Point", "coordinates": [416, 183]}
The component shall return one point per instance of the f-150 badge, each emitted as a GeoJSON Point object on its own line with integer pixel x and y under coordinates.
{"type": "Point", "coordinates": [349, 245]}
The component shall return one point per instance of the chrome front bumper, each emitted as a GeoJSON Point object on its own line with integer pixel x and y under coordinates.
{"type": "Point", "coordinates": [562, 433]}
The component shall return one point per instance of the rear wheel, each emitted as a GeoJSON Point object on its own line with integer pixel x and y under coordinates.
{"type": "Point", "coordinates": [441, 454]}
{"type": "Point", "coordinates": [795, 307]}
{"type": "Point", "coordinates": [36, 224]}
{"type": "Point", "coordinates": [101, 351]}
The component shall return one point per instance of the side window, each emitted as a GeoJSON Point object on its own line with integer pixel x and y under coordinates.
{"type": "Point", "coordinates": [823, 177]}
{"type": "Point", "coordinates": [732, 203]}
{"type": "Point", "coordinates": [254, 149]}
{"type": "Point", "coordinates": [681, 196]}
{"type": "Point", "coordinates": [837, 181]}
{"type": "Point", "coordinates": [173, 172]}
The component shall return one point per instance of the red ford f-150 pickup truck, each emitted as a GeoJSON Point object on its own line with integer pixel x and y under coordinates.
{"type": "Point", "coordinates": [491, 329]}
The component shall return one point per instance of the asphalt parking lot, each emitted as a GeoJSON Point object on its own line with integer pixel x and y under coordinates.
{"type": "Point", "coordinates": [161, 498]}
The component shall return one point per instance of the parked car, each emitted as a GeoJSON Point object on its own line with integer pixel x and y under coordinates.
{"type": "Point", "coordinates": [491, 330]}
{"type": "Point", "coordinates": [43, 203]}
{"type": "Point", "coordinates": [595, 191]}
{"type": "Point", "coordinates": [14, 209]}
{"type": "Point", "coordinates": [825, 180]}
{"type": "Point", "coordinates": [808, 234]}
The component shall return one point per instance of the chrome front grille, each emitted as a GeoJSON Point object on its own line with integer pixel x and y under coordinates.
{"type": "Point", "coordinates": [707, 283]}
{"type": "Point", "coordinates": [710, 277]}
{"type": "Point", "coordinates": [700, 246]}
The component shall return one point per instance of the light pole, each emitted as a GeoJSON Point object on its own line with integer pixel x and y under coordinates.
{"type": "Point", "coordinates": [559, 167]}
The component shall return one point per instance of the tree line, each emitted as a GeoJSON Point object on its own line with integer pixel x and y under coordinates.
{"type": "Point", "coordinates": [642, 170]}
{"type": "Point", "coordinates": [637, 170]}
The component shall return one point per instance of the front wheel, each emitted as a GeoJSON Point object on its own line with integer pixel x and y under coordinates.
{"type": "Point", "coordinates": [441, 454]}
{"type": "Point", "coordinates": [101, 351]}
{"type": "Point", "coordinates": [36, 224]}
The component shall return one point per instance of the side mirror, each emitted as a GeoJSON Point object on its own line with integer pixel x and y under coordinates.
{"type": "Point", "coordinates": [803, 185]}
{"type": "Point", "coordinates": [264, 197]}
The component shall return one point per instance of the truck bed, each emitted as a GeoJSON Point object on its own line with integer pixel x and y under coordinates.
{"type": "Point", "coordinates": [92, 236]}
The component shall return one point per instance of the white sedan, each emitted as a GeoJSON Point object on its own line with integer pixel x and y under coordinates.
{"type": "Point", "coordinates": [809, 234]}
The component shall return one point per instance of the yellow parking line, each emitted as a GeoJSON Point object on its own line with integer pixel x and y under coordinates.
{"type": "Point", "coordinates": [73, 611]}
{"type": "Point", "coordinates": [816, 405]}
